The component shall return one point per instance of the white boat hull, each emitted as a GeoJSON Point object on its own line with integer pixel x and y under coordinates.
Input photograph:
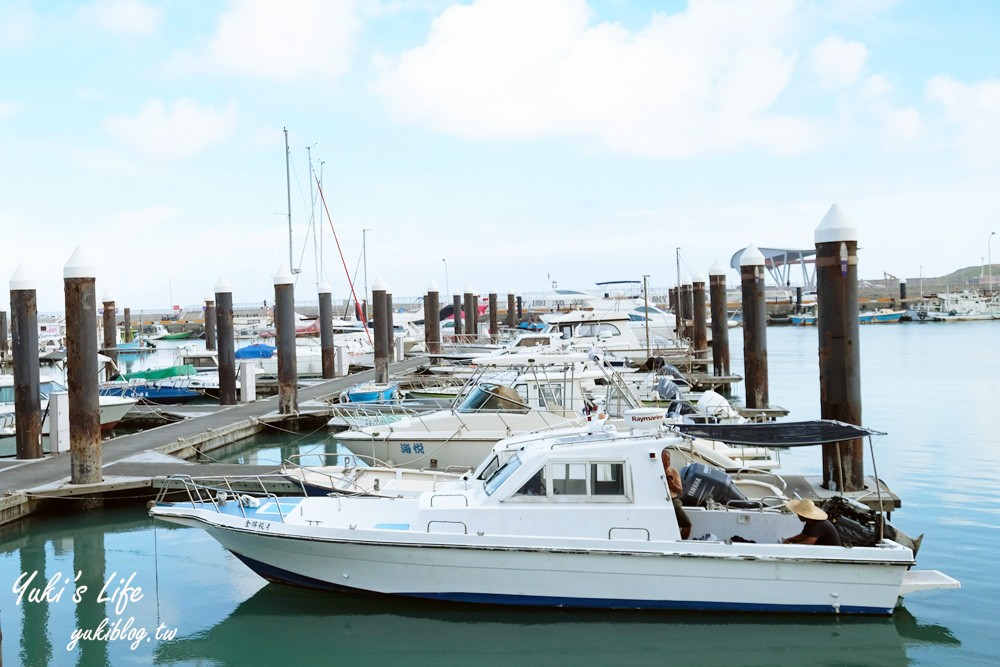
{"type": "Point", "coordinates": [555, 572]}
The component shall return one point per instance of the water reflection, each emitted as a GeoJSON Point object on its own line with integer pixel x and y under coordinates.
{"type": "Point", "coordinates": [313, 625]}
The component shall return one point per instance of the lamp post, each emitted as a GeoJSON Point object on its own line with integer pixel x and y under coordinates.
{"type": "Point", "coordinates": [364, 255]}
{"type": "Point", "coordinates": [170, 285]}
{"type": "Point", "coordinates": [447, 287]}
{"type": "Point", "coordinates": [989, 258]}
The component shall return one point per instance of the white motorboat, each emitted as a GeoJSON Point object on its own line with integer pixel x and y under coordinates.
{"type": "Point", "coordinates": [565, 521]}
{"type": "Point", "coordinates": [113, 408]}
{"type": "Point", "coordinates": [506, 395]}
{"type": "Point", "coordinates": [955, 307]}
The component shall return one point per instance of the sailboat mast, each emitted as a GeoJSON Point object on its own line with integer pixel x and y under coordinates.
{"type": "Point", "coordinates": [288, 193]}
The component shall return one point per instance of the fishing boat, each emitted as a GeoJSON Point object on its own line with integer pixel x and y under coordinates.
{"type": "Point", "coordinates": [371, 392]}
{"type": "Point", "coordinates": [565, 521]}
{"type": "Point", "coordinates": [880, 316]}
{"type": "Point", "coordinates": [173, 385]}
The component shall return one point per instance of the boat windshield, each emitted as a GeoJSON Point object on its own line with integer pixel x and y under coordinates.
{"type": "Point", "coordinates": [489, 397]}
{"type": "Point", "coordinates": [501, 474]}
{"type": "Point", "coordinates": [46, 387]}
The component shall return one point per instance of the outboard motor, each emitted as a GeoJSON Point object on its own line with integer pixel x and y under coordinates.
{"type": "Point", "coordinates": [667, 389]}
{"type": "Point", "coordinates": [703, 483]}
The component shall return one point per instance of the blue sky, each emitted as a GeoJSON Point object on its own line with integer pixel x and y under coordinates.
{"type": "Point", "coordinates": [488, 144]}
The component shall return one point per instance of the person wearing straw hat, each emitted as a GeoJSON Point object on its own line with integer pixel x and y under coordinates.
{"type": "Point", "coordinates": [817, 529]}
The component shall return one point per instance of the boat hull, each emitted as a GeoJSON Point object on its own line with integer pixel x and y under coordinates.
{"type": "Point", "coordinates": [626, 574]}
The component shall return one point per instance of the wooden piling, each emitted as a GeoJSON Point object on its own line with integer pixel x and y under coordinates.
{"type": "Point", "coordinates": [211, 324]}
{"type": "Point", "coordinates": [902, 292]}
{"type": "Point", "coordinates": [4, 344]}
{"type": "Point", "coordinates": [839, 345]}
{"type": "Point", "coordinates": [720, 320]}
{"type": "Point", "coordinates": [470, 315]}
{"type": "Point", "coordinates": [389, 330]}
{"type": "Point", "coordinates": [24, 339]}
{"type": "Point", "coordinates": [699, 317]}
{"type": "Point", "coordinates": [381, 345]}
{"type": "Point", "coordinates": [127, 325]}
{"type": "Point", "coordinates": [754, 327]}
{"type": "Point", "coordinates": [109, 325]}
{"type": "Point", "coordinates": [457, 306]}
{"type": "Point", "coordinates": [326, 331]}
{"type": "Point", "coordinates": [494, 318]}
{"type": "Point", "coordinates": [520, 309]}
{"type": "Point", "coordinates": [511, 314]}
{"type": "Point", "coordinates": [81, 370]}
{"type": "Point", "coordinates": [432, 322]}
{"type": "Point", "coordinates": [227, 343]}
{"type": "Point", "coordinates": [284, 338]}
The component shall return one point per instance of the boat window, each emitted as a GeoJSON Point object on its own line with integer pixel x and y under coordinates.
{"type": "Point", "coordinates": [550, 394]}
{"type": "Point", "coordinates": [522, 391]}
{"type": "Point", "coordinates": [535, 486]}
{"type": "Point", "coordinates": [500, 476]}
{"type": "Point", "coordinates": [6, 394]}
{"type": "Point", "coordinates": [49, 386]}
{"type": "Point", "coordinates": [490, 468]}
{"type": "Point", "coordinates": [607, 479]}
{"type": "Point", "coordinates": [489, 397]}
{"type": "Point", "coordinates": [569, 479]}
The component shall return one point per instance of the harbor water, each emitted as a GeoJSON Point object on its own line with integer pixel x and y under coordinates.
{"type": "Point", "coordinates": [172, 596]}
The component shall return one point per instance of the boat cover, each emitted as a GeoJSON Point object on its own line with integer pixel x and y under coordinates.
{"type": "Point", "coordinates": [162, 373]}
{"type": "Point", "coordinates": [778, 434]}
{"type": "Point", "coordinates": [257, 351]}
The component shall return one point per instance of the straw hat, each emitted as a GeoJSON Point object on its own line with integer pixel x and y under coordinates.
{"type": "Point", "coordinates": [806, 509]}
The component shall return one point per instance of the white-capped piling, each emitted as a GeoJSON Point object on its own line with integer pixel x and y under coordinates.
{"type": "Point", "coordinates": [754, 327]}
{"type": "Point", "coordinates": [284, 325]}
{"type": "Point", "coordinates": [839, 348]}
{"type": "Point", "coordinates": [494, 317]}
{"type": "Point", "coordinates": [211, 323]}
{"type": "Point", "coordinates": [109, 325]}
{"type": "Point", "coordinates": [720, 320]}
{"type": "Point", "coordinates": [4, 341]}
{"type": "Point", "coordinates": [432, 321]}
{"type": "Point", "coordinates": [79, 287]}
{"type": "Point", "coordinates": [389, 330]}
{"type": "Point", "coordinates": [471, 331]}
{"type": "Point", "coordinates": [379, 290]}
{"type": "Point", "coordinates": [511, 311]}
{"type": "Point", "coordinates": [227, 343]}
{"type": "Point", "coordinates": [127, 325]}
{"type": "Point", "coordinates": [24, 340]}
{"type": "Point", "coordinates": [327, 351]}
{"type": "Point", "coordinates": [456, 301]}
{"type": "Point", "coordinates": [700, 319]}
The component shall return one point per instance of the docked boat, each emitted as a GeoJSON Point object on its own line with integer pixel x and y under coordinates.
{"type": "Point", "coordinates": [112, 408]}
{"type": "Point", "coordinates": [371, 392]}
{"type": "Point", "coordinates": [961, 306]}
{"type": "Point", "coordinates": [506, 395]}
{"type": "Point", "coordinates": [565, 521]}
{"type": "Point", "coordinates": [880, 316]}
{"type": "Point", "coordinates": [173, 385]}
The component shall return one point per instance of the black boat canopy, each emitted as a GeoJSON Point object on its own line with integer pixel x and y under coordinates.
{"type": "Point", "coordinates": [778, 434]}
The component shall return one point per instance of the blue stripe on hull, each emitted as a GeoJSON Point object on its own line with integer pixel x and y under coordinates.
{"type": "Point", "coordinates": [279, 575]}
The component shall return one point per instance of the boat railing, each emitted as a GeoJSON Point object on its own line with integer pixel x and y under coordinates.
{"type": "Point", "coordinates": [200, 492]}
{"type": "Point", "coordinates": [781, 483]}
{"type": "Point", "coordinates": [358, 415]}
{"type": "Point", "coordinates": [464, 498]}
{"type": "Point", "coordinates": [349, 460]}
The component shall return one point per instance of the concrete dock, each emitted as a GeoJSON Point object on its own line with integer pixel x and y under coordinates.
{"type": "Point", "coordinates": [132, 462]}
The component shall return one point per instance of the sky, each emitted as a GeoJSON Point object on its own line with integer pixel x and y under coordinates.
{"type": "Point", "coordinates": [506, 145]}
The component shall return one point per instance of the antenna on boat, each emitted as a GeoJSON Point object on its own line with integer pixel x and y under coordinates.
{"type": "Point", "coordinates": [288, 194]}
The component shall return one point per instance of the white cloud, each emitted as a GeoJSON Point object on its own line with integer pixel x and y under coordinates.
{"type": "Point", "coordinates": [699, 81]}
{"type": "Point", "coordinates": [181, 131]}
{"type": "Point", "coordinates": [973, 109]}
{"type": "Point", "coordinates": [130, 17]}
{"type": "Point", "coordinates": [837, 63]}
{"type": "Point", "coordinates": [279, 41]}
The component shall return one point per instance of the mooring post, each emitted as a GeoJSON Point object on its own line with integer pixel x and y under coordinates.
{"type": "Point", "coordinates": [79, 278]}
{"type": "Point", "coordinates": [284, 338]}
{"type": "Point", "coordinates": [494, 318]}
{"type": "Point", "coordinates": [326, 330]}
{"type": "Point", "coordinates": [389, 330]}
{"type": "Point", "coordinates": [754, 327]}
{"type": "Point", "coordinates": [456, 301]}
{"type": "Point", "coordinates": [211, 323]}
{"type": "Point", "coordinates": [520, 308]}
{"type": "Point", "coordinates": [700, 317]}
{"type": "Point", "coordinates": [127, 325]}
{"type": "Point", "coordinates": [432, 323]}
{"type": "Point", "coordinates": [110, 327]}
{"type": "Point", "coordinates": [720, 320]}
{"type": "Point", "coordinates": [227, 344]}
{"type": "Point", "coordinates": [471, 332]}
{"type": "Point", "coordinates": [839, 345]}
{"type": "Point", "coordinates": [379, 290]}
{"type": "Point", "coordinates": [4, 345]}
{"type": "Point", "coordinates": [798, 299]}
{"type": "Point", "coordinates": [24, 339]}
{"type": "Point", "coordinates": [902, 293]}
{"type": "Point", "coordinates": [511, 311]}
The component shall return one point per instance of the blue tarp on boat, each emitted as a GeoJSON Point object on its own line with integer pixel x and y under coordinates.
{"type": "Point", "coordinates": [256, 351]}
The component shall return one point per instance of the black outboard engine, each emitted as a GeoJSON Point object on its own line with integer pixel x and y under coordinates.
{"type": "Point", "coordinates": [667, 389]}
{"type": "Point", "coordinates": [857, 524]}
{"type": "Point", "coordinates": [703, 483]}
